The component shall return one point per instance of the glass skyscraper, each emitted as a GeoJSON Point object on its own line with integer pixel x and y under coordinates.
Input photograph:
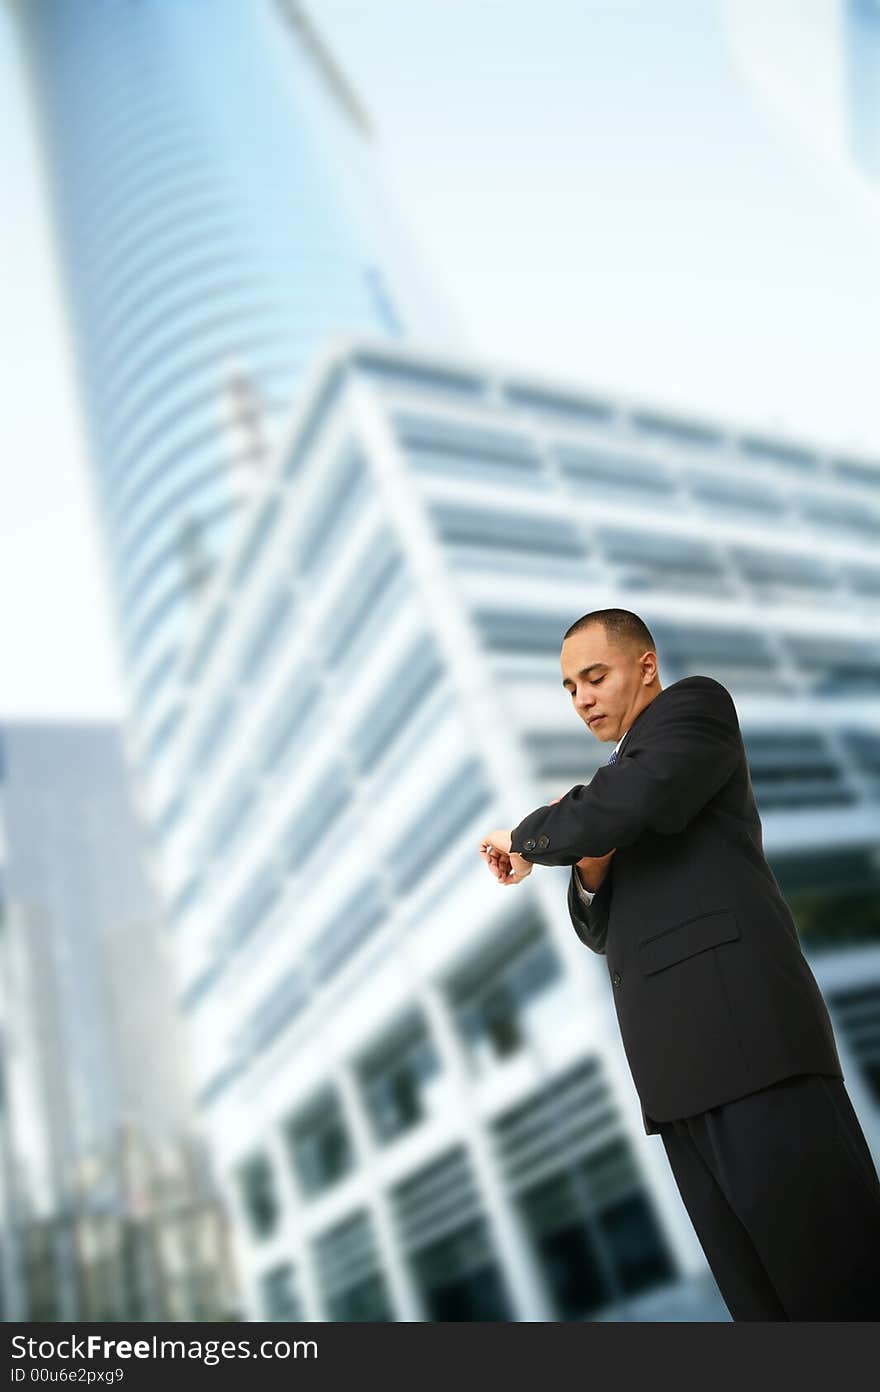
{"type": "Point", "coordinates": [219, 219]}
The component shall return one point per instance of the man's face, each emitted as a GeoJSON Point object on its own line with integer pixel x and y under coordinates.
{"type": "Point", "coordinates": [608, 685]}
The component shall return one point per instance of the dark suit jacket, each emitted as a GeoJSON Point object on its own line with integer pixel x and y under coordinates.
{"type": "Point", "coordinates": [714, 996]}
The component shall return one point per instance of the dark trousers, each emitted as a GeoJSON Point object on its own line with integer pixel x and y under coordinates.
{"type": "Point", "coordinates": [785, 1200]}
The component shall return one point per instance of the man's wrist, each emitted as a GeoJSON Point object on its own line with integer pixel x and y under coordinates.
{"type": "Point", "coordinates": [582, 878]}
{"type": "Point", "coordinates": [585, 895]}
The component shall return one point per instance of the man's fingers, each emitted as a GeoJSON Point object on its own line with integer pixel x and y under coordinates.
{"type": "Point", "coordinates": [499, 863]}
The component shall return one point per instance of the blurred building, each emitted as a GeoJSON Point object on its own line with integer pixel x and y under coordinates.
{"type": "Point", "coordinates": [220, 214]}
{"type": "Point", "coordinates": [10, 1287]}
{"type": "Point", "coordinates": [162, 1253]}
{"type": "Point", "coordinates": [412, 1081]}
{"type": "Point", "coordinates": [96, 1087]}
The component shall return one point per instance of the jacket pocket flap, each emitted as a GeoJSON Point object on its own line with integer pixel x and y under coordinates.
{"type": "Point", "coordinates": [687, 938]}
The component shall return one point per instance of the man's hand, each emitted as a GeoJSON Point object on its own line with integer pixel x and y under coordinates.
{"type": "Point", "coordinates": [506, 867]}
{"type": "Point", "coordinates": [593, 869]}
{"type": "Point", "coordinates": [512, 868]}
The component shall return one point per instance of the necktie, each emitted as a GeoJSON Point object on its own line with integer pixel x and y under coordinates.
{"type": "Point", "coordinates": [613, 759]}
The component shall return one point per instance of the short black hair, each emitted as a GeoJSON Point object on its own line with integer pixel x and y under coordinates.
{"type": "Point", "coordinates": [623, 628]}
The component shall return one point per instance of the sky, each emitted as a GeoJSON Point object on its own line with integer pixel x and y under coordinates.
{"type": "Point", "coordinates": [595, 190]}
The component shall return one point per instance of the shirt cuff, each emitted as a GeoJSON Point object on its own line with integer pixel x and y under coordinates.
{"type": "Point", "coordinates": [584, 894]}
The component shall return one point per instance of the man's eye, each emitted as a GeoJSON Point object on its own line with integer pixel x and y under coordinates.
{"type": "Point", "coordinates": [598, 680]}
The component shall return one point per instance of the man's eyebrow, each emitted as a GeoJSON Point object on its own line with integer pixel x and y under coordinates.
{"type": "Point", "coordinates": [585, 671]}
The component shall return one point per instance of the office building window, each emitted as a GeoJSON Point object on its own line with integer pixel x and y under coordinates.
{"type": "Point", "coordinates": [251, 908]}
{"type": "Point", "coordinates": [451, 383]}
{"type": "Point", "coordinates": [291, 723]}
{"type": "Point", "coordinates": [156, 678]}
{"type": "Point", "coordinates": [226, 827]}
{"type": "Point", "coordinates": [856, 1012]}
{"type": "Point", "coordinates": [170, 816]}
{"type": "Point", "coordinates": [444, 1234]}
{"type": "Point", "coordinates": [278, 1295]}
{"type": "Point", "coordinates": [776, 576]}
{"type": "Point", "coordinates": [864, 747]}
{"type": "Point", "coordinates": [396, 1076]}
{"type": "Point", "coordinates": [320, 1148]}
{"type": "Point", "coordinates": [363, 613]}
{"type": "Point", "coordinates": [562, 757]}
{"type": "Point", "coordinates": [479, 539]}
{"type": "Point", "coordinates": [213, 735]}
{"type": "Point", "coordinates": [399, 702]}
{"type": "Point", "coordinates": [674, 430]}
{"type": "Point", "coordinates": [347, 1262]}
{"type": "Point", "coordinates": [579, 410]}
{"type": "Point", "coordinates": [845, 517]}
{"type": "Point", "coordinates": [315, 423]}
{"type": "Point", "coordinates": [162, 738]}
{"type": "Point", "coordinates": [836, 665]}
{"type": "Point", "coordinates": [200, 986]}
{"type": "Point", "coordinates": [340, 500]}
{"type": "Point", "coordinates": [276, 1011]}
{"type": "Point", "coordinates": [186, 896]}
{"type": "Point", "coordinates": [218, 1083]}
{"type": "Point", "coordinates": [259, 1198]}
{"type": "Point", "coordinates": [661, 561]}
{"type": "Point", "coordinates": [460, 1278]}
{"type": "Point", "coordinates": [585, 1210]}
{"type": "Point", "coordinates": [259, 533]}
{"type": "Point", "coordinates": [740, 658]}
{"type": "Point", "coordinates": [471, 451]}
{"type": "Point", "coordinates": [520, 632]}
{"type": "Point", "coordinates": [733, 496]}
{"type": "Point", "coordinates": [795, 769]}
{"type": "Point", "coordinates": [271, 626]}
{"type": "Point", "coordinates": [605, 473]}
{"type": "Point", "coordinates": [488, 530]}
{"type": "Point", "coordinates": [212, 632]}
{"type": "Point", "coordinates": [317, 813]}
{"type": "Point", "coordinates": [351, 927]}
{"type": "Point", "coordinates": [863, 471]}
{"type": "Point", "coordinates": [862, 579]}
{"type": "Point", "coordinates": [491, 994]}
{"type": "Point", "coordinates": [460, 801]}
{"type": "Point", "coordinates": [778, 452]}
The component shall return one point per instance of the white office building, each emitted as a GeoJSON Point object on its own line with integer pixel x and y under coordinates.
{"type": "Point", "coordinates": [412, 1077]}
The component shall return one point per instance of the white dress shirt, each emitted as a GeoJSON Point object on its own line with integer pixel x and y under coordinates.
{"type": "Point", "coordinates": [585, 894]}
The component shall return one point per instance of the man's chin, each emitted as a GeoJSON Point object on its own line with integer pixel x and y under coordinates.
{"type": "Point", "coordinates": [601, 731]}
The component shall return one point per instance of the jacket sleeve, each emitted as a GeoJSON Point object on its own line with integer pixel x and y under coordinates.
{"type": "Point", "coordinates": [690, 751]}
{"type": "Point", "coordinates": [590, 921]}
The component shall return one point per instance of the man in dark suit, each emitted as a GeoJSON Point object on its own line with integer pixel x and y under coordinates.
{"type": "Point", "coordinates": [725, 1029]}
